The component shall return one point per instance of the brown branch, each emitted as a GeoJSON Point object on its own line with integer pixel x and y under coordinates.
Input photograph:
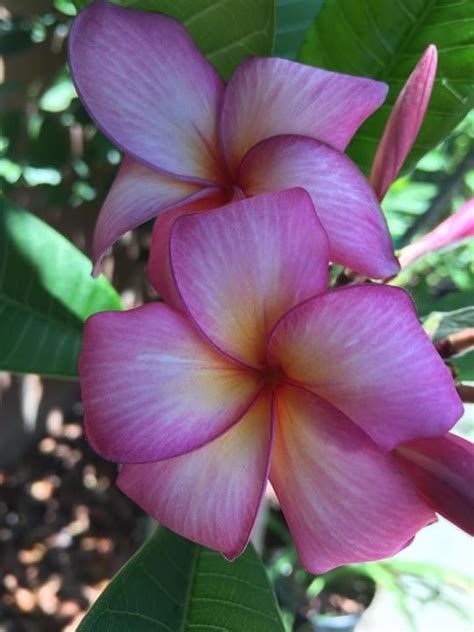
{"type": "Point", "coordinates": [348, 277]}
{"type": "Point", "coordinates": [456, 343]}
{"type": "Point", "coordinates": [466, 393]}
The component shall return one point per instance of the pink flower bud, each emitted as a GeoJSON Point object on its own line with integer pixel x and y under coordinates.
{"type": "Point", "coordinates": [404, 123]}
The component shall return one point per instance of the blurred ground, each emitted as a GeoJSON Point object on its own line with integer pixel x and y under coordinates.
{"type": "Point", "coordinates": [64, 527]}
{"type": "Point", "coordinates": [442, 543]}
{"type": "Point", "coordinates": [447, 608]}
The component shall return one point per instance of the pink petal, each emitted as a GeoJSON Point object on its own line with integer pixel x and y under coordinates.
{"type": "Point", "coordinates": [159, 269]}
{"type": "Point", "coordinates": [153, 388]}
{"type": "Point", "coordinates": [240, 268]}
{"type": "Point", "coordinates": [138, 194]}
{"type": "Point", "coordinates": [404, 123]}
{"type": "Point", "coordinates": [443, 472]}
{"type": "Point", "coordinates": [148, 88]}
{"type": "Point", "coordinates": [362, 349]}
{"type": "Point", "coordinates": [267, 97]}
{"type": "Point", "coordinates": [211, 495]}
{"type": "Point", "coordinates": [342, 496]}
{"type": "Point", "coordinates": [456, 227]}
{"type": "Point", "coordinates": [343, 199]}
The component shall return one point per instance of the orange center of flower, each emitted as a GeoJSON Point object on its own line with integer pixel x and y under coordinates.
{"type": "Point", "coordinates": [234, 193]}
{"type": "Point", "coordinates": [272, 376]}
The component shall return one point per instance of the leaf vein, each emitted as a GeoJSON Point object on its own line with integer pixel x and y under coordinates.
{"type": "Point", "coordinates": [236, 604]}
{"type": "Point", "coordinates": [161, 587]}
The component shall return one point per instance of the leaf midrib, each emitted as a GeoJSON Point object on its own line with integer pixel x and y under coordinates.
{"type": "Point", "coordinates": [28, 308]}
{"type": "Point", "coordinates": [405, 40]}
{"type": "Point", "coordinates": [189, 594]}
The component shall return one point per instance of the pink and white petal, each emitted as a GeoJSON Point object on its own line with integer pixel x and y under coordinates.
{"type": "Point", "coordinates": [442, 470]}
{"type": "Point", "coordinates": [159, 267]}
{"type": "Point", "coordinates": [362, 349]}
{"type": "Point", "coordinates": [404, 123]}
{"type": "Point", "coordinates": [343, 497]}
{"type": "Point", "coordinates": [148, 88]}
{"type": "Point", "coordinates": [454, 229]}
{"type": "Point", "coordinates": [268, 97]}
{"type": "Point", "coordinates": [154, 388]}
{"type": "Point", "coordinates": [240, 268]}
{"type": "Point", "coordinates": [211, 495]}
{"type": "Point", "coordinates": [138, 194]}
{"type": "Point", "coordinates": [343, 199]}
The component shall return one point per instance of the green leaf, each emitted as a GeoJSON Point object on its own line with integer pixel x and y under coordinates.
{"type": "Point", "coordinates": [225, 31]}
{"type": "Point", "coordinates": [173, 585]}
{"type": "Point", "coordinates": [293, 18]}
{"type": "Point", "coordinates": [46, 293]}
{"type": "Point", "coordinates": [438, 325]}
{"type": "Point", "coordinates": [384, 39]}
{"type": "Point", "coordinates": [464, 366]}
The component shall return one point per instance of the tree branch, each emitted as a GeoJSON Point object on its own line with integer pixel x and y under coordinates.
{"type": "Point", "coordinates": [456, 343]}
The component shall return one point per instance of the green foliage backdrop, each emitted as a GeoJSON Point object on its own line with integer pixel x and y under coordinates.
{"type": "Point", "coordinates": [384, 39]}
{"type": "Point", "coordinates": [46, 293]}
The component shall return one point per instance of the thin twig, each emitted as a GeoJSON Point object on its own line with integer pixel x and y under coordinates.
{"type": "Point", "coordinates": [466, 393]}
{"type": "Point", "coordinates": [456, 343]}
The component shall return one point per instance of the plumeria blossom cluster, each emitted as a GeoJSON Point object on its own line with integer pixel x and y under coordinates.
{"type": "Point", "coordinates": [253, 369]}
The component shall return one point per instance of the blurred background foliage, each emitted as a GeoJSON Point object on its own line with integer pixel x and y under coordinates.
{"type": "Point", "coordinates": [56, 164]}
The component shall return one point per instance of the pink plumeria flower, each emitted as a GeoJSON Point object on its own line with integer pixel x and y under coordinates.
{"type": "Point", "coordinates": [456, 228]}
{"type": "Point", "coordinates": [267, 373]}
{"type": "Point", "coordinates": [193, 143]}
{"type": "Point", "coordinates": [442, 469]}
{"type": "Point", "coordinates": [404, 123]}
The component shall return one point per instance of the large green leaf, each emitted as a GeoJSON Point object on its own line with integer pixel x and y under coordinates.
{"type": "Point", "coordinates": [384, 39]}
{"type": "Point", "coordinates": [226, 31]}
{"type": "Point", "coordinates": [438, 325]}
{"type": "Point", "coordinates": [293, 18]}
{"type": "Point", "coordinates": [173, 585]}
{"type": "Point", "coordinates": [46, 293]}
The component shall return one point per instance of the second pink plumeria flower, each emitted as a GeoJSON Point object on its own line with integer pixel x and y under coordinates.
{"type": "Point", "coordinates": [267, 374]}
{"type": "Point", "coordinates": [453, 231]}
{"type": "Point", "coordinates": [193, 143]}
{"type": "Point", "coordinates": [442, 469]}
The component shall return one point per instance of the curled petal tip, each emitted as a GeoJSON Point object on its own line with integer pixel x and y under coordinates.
{"type": "Point", "coordinates": [442, 469]}
{"type": "Point", "coordinates": [97, 268]}
{"type": "Point", "coordinates": [404, 122]}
